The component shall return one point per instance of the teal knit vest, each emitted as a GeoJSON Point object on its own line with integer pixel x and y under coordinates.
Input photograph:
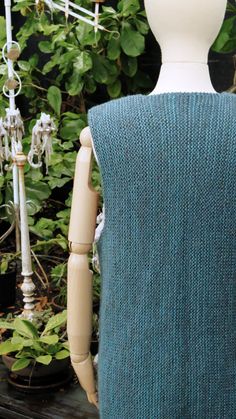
{"type": "Point", "coordinates": [168, 256]}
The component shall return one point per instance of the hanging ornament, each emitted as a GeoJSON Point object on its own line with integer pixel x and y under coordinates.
{"type": "Point", "coordinates": [39, 6]}
{"type": "Point", "coordinates": [14, 127]}
{"type": "Point", "coordinates": [10, 53]}
{"type": "Point", "coordinates": [41, 141]}
{"type": "Point", "coordinates": [14, 53]}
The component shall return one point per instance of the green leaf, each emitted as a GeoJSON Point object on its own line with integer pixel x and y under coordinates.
{"type": "Point", "coordinates": [8, 347]}
{"type": "Point", "coordinates": [50, 340]}
{"type": "Point", "coordinates": [128, 7]}
{"type": "Point", "coordinates": [142, 79]}
{"type": "Point", "coordinates": [20, 364]}
{"type": "Point", "coordinates": [104, 71]}
{"type": "Point", "coordinates": [83, 62]}
{"type": "Point", "coordinates": [24, 65]}
{"type": "Point", "coordinates": [44, 359]}
{"type": "Point", "coordinates": [58, 183]}
{"type": "Point", "coordinates": [226, 40]}
{"type": "Point", "coordinates": [85, 34]}
{"type": "Point", "coordinates": [71, 128]}
{"type": "Point", "coordinates": [2, 31]}
{"type": "Point", "coordinates": [62, 354]}
{"type": "Point", "coordinates": [90, 84]}
{"type": "Point", "coordinates": [141, 26]}
{"type": "Point", "coordinates": [55, 321]}
{"type": "Point", "coordinates": [45, 46]}
{"type": "Point", "coordinates": [25, 328]}
{"type": "Point", "coordinates": [113, 48]}
{"type": "Point", "coordinates": [33, 60]}
{"type": "Point", "coordinates": [37, 192]}
{"type": "Point", "coordinates": [18, 339]}
{"type": "Point", "coordinates": [75, 84]}
{"type": "Point", "coordinates": [129, 65]}
{"type": "Point", "coordinates": [3, 267]}
{"type": "Point", "coordinates": [54, 99]}
{"type": "Point", "coordinates": [132, 42]}
{"type": "Point", "coordinates": [44, 228]}
{"type": "Point", "coordinates": [114, 89]}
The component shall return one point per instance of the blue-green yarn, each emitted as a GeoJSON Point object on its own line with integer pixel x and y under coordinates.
{"type": "Point", "coordinates": [168, 256]}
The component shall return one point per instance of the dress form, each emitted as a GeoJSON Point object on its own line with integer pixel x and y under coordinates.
{"type": "Point", "coordinates": [185, 31]}
{"type": "Point", "coordinates": [185, 36]}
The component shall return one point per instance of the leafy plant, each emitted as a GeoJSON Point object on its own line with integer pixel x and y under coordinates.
{"type": "Point", "coordinates": [226, 40]}
{"type": "Point", "coordinates": [79, 68]}
{"type": "Point", "coordinates": [28, 344]}
{"type": "Point", "coordinates": [6, 261]}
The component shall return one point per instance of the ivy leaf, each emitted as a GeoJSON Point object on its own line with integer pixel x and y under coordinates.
{"type": "Point", "coordinates": [132, 42]}
{"type": "Point", "coordinates": [44, 359]}
{"type": "Point", "coordinates": [36, 193]}
{"type": "Point", "coordinates": [54, 98]}
{"type": "Point", "coordinates": [58, 183]}
{"type": "Point", "coordinates": [45, 227]}
{"type": "Point", "coordinates": [20, 364]}
{"type": "Point", "coordinates": [71, 128]}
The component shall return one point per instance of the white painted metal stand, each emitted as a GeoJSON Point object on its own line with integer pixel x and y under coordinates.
{"type": "Point", "coordinates": [12, 107]}
{"type": "Point", "coordinates": [11, 133]}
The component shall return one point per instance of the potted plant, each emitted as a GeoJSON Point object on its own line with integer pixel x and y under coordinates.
{"type": "Point", "coordinates": [36, 352]}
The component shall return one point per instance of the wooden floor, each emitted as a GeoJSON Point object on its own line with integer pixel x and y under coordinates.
{"type": "Point", "coordinates": [70, 403]}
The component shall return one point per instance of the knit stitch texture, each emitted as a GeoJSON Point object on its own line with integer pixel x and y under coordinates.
{"type": "Point", "coordinates": [168, 256]}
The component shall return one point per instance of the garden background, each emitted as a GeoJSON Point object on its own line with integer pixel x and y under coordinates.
{"type": "Point", "coordinates": [66, 69]}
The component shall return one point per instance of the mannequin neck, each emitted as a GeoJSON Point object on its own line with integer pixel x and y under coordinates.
{"type": "Point", "coordinates": [184, 77]}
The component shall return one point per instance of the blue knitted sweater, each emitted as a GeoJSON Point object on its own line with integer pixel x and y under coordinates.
{"type": "Point", "coordinates": [168, 256]}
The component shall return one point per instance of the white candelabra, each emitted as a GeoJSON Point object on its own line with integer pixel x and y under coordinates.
{"type": "Point", "coordinates": [11, 134]}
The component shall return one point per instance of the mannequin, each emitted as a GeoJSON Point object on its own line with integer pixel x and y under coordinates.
{"type": "Point", "coordinates": [185, 31]}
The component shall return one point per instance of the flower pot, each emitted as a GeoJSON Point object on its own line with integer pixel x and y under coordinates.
{"type": "Point", "coordinates": [7, 289]}
{"type": "Point", "coordinates": [38, 377]}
